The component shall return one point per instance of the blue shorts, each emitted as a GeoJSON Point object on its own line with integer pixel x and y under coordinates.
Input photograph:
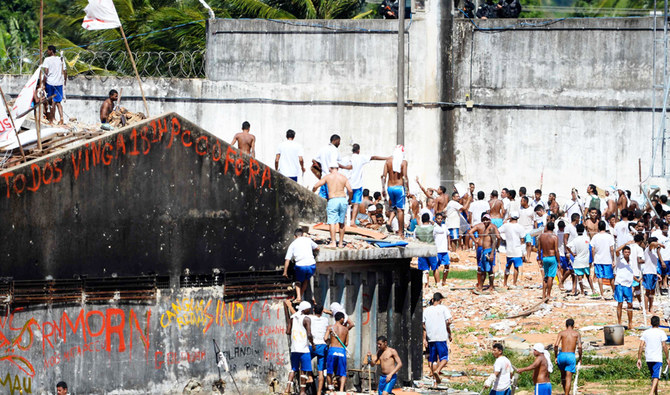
{"type": "Point", "coordinates": [567, 362]}
{"type": "Point", "coordinates": [655, 369]}
{"type": "Point", "coordinates": [485, 265]}
{"type": "Point", "coordinates": [590, 254]}
{"type": "Point", "coordinates": [453, 233]}
{"type": "Point", "coordinates": [428, 263]}
{"type": "Point", "coordinates": [549, 265]}
{"type": "Point", "coordinates": [498, 222]}
{"type": "Point", "coordinates": [479, 253]}
{"type": "Point", "coordinates": [649, 281]}
{"type": "Point", "coordinates": [517, 262]}
{"type": "Point", "coordinates": [323, 191]}
{"type": "Point", "coordinates": [358, 196]}
{"type": "Point", "coordinates": [320, 351]}
{"type": "Point", "coordinates": [303, 273]}
{"type": "Point", "coordinates": [55, 90]}
{"type": "Point", "coordinates": [294, 178]}
{"type": "Point", "coordinates": [543, 389]}
{"type": "Point", "coordinates": [386, 385]}
{"type": "Point", "coordinates": [622, 294]}
{"type": "Point", "coordinates": [529, 240]}
{"type": "Point", "coordinates": [396, 196]}
{"type": "Point", "coordinates": [443, 259]}
{"type": "Point", "coordinates": [301, 361]}
{"type": "Point", "coordinates": [604, 271]}
{"type": "Point", "coordinates": [336, 362]}
{"type": "Point", "coordinates": [566, 263]}
{"type": "Point", "coordinates": [505, 392]}
{"type": "Point", "coordinates": [337, 210]}
{"type": "Point", "coordinates": [583, 271]}
{"type": "Point", "coordinates": [438, 351]}
{"type": "Point", "coordinates": [666, 271]}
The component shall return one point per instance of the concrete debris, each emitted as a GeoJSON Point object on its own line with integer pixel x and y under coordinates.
{"type": "Point", "coordinates": [504, 326]}
{"type": "Point", "coordinates": [123, 117]}
{"type": "Point", "coordinates": [192, 387]}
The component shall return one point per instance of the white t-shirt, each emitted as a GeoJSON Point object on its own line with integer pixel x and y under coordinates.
{"type": "Point", "coordinates": [436, 328]}
{"type": "Point", "coordinates": [299, 341]}
{"type": "Point", "coordinates": [506, 202]}
{"type": "Point", "coordinates": [561, 241]}
{"type": "Point", "coordinates": [571, 230]}
{"type": "Point", "coordinates": [55, 74]}
{"type": "Point", "coordinates": [580, 247]}
{"type": "Point", "coordinates": [301, 249]}
{"type": "Point", "coordinates": [534, 203]}
{"type": "Point", "coordinates": [653, 339]}
{"type": "Point", "coordinates": [289, 153]}
{"type": "Point", "coordinates": [357, 163]}
{"type": "Point", "coordinates": [540, 219]}
{"type": "Point", "coordinates": [513, 232]}
{"type": "Point", "coordinates": [622, 233]}
{"type": "Point", "coordinates": [624, 272]}
{"type": "Point", "coordinates": [453, 216]}
{"type": "Point", "coordinates": [504, 367]}
{"type": "Point", "coordinates": [650, 262]}
{"type": "Point", "coordinates": [328, 157]}
{"type": "Point", "coordinates": [514, 208]}
{"type": "Point", "coordinates": [665, 252]}
{"type": "Point", "coordinates": [573, 207]}
{"type": "Point", "coordinates": [318, 326]}
{"type": "Point", "coordinates": [601, 244]}
{"type": "Point", "coordinates": [635, 252]}
{"type": "Point", "coordinates": [526, 218]}
{"type": "Point", "coordinates": [440, 233]}
{"type": "Point", "coordinates": [477, 208]}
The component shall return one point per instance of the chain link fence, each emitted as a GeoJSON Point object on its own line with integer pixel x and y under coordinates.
{"type": "Point", "coordinates": [82, 63]}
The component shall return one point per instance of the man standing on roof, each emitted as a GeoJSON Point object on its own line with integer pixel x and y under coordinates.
{"type": "Point", "coordinates": [302, 249]}
{"type": "Point", "coordinates": [337, 202]}
{"type": "Point", "coordinates": [54, 79]}
{"type": "Point", "coordinates": [328, 157]}
{"type": "Point", "coordinates": [288, 160]}
{"type": "Point", "coordinates": [246, 142]}
{"type": "Point", "coordinates": [395, 170]}
{"type": "Point", "coordinates": [358, 161]}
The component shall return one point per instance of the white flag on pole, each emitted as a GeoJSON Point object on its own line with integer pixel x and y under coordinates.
{"type": "Point", "coordinates": [25, 98]}
{"type": "Point", "coordinates": [100, 14]}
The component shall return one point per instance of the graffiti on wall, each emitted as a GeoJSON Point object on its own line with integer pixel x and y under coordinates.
{"type": "Point", "coordinates": [162, 133]}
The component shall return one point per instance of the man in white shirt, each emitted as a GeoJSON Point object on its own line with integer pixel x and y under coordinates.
{"type": "Point", "coordinates": [537, 201]}
{"type": "Point", "coordinates": [328, 156]}
{"type": "Point", "coordinates": [501, 379]}
{"type": "Point", "coordinates": [479, 207]}
{"type": "Point", "coordinates": [653, 341]}
{"type": "Point", "coordinates": [514, 234]}
{"type": "Point", "coordinates": [650, 274]}
{"type": "Point", "coordinates": [319, 350]}
{"type": "Point", "coordinates": [623, 285]}
{"type": "Point", "coordinates": [441, 238]}
{"type": "Point", "coordinates": [358, 161]}
{"type": "Point", "coordinates": [663, 254]}
{"type": "Point", "coordinates": [526, 219]}
{"type": "Point", "coordinates": [288, 160]}
{"type": "Point", "coordinates": [302, 250]}
{"type": "Point", "coordinates": [436, 333]}
{"type": "Point", "coordinates": [299, 328]}
{"type": "Point", "coordinates": [579, 248]}
{"type": "Point", "coordinates": [454, 209]}
{"type": "Point", "coordinates": [54, 79]}
{"type": "Point", "coordinates": [621, 231]}
{"type": "Point", "coordinates": [574, 205]}
{"type": "Point", "coordinates": [602, 244]}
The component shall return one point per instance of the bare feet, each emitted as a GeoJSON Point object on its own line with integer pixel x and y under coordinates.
{"type": "Point", "coordinates": [332, 244]}
{"type": "Point", "coordinates": [438, 380]}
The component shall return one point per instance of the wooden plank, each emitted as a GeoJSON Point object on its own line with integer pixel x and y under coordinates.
{"type": "Point", "coordinates": [355, 231]}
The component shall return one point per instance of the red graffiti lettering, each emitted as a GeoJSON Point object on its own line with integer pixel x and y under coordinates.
{"type": "Point", "coordinates": [36, 171]}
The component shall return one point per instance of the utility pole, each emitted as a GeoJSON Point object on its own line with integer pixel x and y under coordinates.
{"type": "Point", "coordinates": [400, 128]}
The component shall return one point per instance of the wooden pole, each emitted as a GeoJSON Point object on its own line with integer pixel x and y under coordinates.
{"type": "Point", "coordinates": [137, 75]}
{"type": "Point", "coordinates": [38, 121]}
{"type": "Point", "coordinates": [11, 118]}
{"type": "Point", "coordinates": [400, 106]}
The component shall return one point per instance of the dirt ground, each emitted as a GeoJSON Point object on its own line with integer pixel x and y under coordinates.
{"type": "Point", "coordinates": [475, 318]}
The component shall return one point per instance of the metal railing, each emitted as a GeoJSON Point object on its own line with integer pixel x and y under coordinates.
{"type": "Point", "coordinates": [82, 63]}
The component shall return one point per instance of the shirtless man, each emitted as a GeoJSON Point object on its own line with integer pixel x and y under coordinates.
{"type": "Point", "coordinates": [591, 223]}
{"type": "Point", "coordinates": [541, 368]}
{"type": "Point", "coordinates": [490, 241]}
{"type": "Point", "coordinates": [548, 250]}
{"type": "Point", "coordinates": [246, 141]}
{"type": "Point", "coordinates": [440, 201]}
{"type": "Point", "coordinates": [569, 340]}
{"type": "Point", "coordinates": [337, 202]}
{"type": "Point", "coordinates": [497, 209]}
{"type": "Point", "coordinates": [337, 338]}
{"type": "Point", "coordinates": [395, 172]}
{"type": "Point", "coordinates": [611, 204]}
{"type": "Point", "coordinates": [390, 363]}
{"type": "Point", "coordinates": [108, 106]}
{"type": "Point", "coordinates": [622, 202]}
{"type": "Point", "coordinates": [554, 208]}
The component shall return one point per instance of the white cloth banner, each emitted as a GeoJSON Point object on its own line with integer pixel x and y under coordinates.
{"type": "Point", "coordinates": [24, 100]}
{"type": "Point", "coordinates": [6, 129]}
{"type": "Point", "coordinates": [100, 14]}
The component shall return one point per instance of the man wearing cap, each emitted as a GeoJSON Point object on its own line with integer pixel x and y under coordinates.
{"type": "Point", "coordinates": [653, 341]}
{"type": "Point", "coordinates": [542, 368]}
{"type": "Point", "coordinates": [338, 308]}
{"type": "Point", "coordinates": [299, 326]}
{"type": "Point", "coordinates": [436, 332]}
{"type": "Point", "coordinates": [302, 249]}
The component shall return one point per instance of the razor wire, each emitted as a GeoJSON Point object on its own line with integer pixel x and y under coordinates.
{"type": "Point", "coordinates": [87, 64]}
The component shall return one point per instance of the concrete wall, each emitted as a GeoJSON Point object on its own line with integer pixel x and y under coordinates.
{"type": "Point", "coordinates": [158, 197]}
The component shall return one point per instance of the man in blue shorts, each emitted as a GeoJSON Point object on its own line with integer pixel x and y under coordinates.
{"type": "Point", "coordinates": [602, 245]}
{"type": "Point", "coordinates": [542, 368]}
{"type": "Point", "coordinates": [319, 325]}
{"type": "Point", "coordinates": [567, 342]}
{"type": "Point", "coordinates": [514, 234]}
{"type": "Point", "coordinates": [490, 241]}
{"type": "Point", "coordinates": [395, 172]}
{"type": "Point", "coordinates": [55, 76]}
{"type": "Point", "coordinates": [337, 337]}
{"type": "Point", "coordinates": [436, 333]}
{"type": "Point", "coordinates": [425, 233]}
{"type": "Point", "coordinates": [299, 326]}
{"type": "Point", "coordinates": [653, 341]}
{"type": "Point", "coordinates": [548, 250]}
{"type": "Point", "coordinates": [337, 202]}
{"type": "Point", "coordinates": [623, 285]}
{"type": "Point", "coordinates": [302, 250]}
{"type": "Point", "coordinates": [390, 363]}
